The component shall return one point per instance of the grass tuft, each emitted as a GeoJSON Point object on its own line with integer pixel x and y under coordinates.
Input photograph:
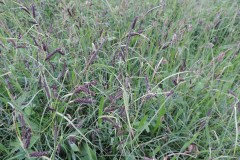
{"type": "Point", "coordinates": [119, 79]}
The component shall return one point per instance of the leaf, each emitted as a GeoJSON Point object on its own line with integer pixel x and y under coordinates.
{"type": "Point", "coordinates": [155, 151]}
{"type": "Point", "coordinates": [187, 144]}
{"type": "Point", "coordinates": [20, 153]}
{"type": "Point", "coordinates": [28, 111]}
{"type": "Point", "coordinates": [3, 148]}
{"type": "Point", "coordinates": [125, 98]}
{"type": "Point", "coordinates": [74, 147]}
{"type": "Point", "coordinates": [111, 38]}
{"type": "Point", "coordinates": [130, 157]}
{"type": "Point", "coordinates": [160, 115]}
{"type": "Point", "coordinates": [126, 104]}
{"type": "Point", "coordinates": [100, 111]}
{"type": "Point", "coordinates": [19, 156]}
{"type": "Point", "coordinates": [199, 86]}
{"type": "Point", "coordinates": [91, 153]}
{"type": "Point", "coordinates": [34, 139]}
{"type": "Point", "coordinates": [143, 124]}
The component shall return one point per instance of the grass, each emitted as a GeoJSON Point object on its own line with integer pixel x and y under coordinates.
{"type": "Point", "coordinates": [119, 79]}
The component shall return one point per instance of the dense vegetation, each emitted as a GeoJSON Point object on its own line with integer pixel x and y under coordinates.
{"type": "Point", "coordinates": [119, 79]}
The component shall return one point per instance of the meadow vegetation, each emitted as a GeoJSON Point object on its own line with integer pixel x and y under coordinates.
{"type": "Point", "coordinates": [119, 79]}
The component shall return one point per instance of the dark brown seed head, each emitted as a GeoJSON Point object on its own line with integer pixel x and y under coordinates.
{"type": "Point", "coordinates": [147, 83]}
{"type": "Point", "coordinates": [233, 94]}
{"type": "Point", "coordinates": [51, 109]}
{"type": "Point", "coordinates": [84, 100]}
{"type": "Point", "coordinates": [82, 89]}
{"type": "Point", "coordinates": [60, 51]}
{"type": "Point", "coordinates": [35, 41]}
{"type": "Point", "coordinates": [26, 10]}
{"type": "Point", "coordinates": [134, 22]}
{"type": "Point", "coordinates": [44, 46]}
{"type": "Point", "coordinates": [33, 10]}
{"type": "Point", "coordinates": [21, 120]}
{"type": "Point", "coordinates": [27, 138]}
{"type": "Point", "coordinates": [72, 139]}
{"type": "Point", "coordinates": [21, 46]}
{"type": "Point", "coordinates": [38, 154]}
{"type": "Point", "coordinates": [92, 83]}
{"type": "Point", "coordinates": [53, 53]}
{"type": "Point", "coordinates": [13, 42]}
{"type": "Point", "coordinates": [111, 109]}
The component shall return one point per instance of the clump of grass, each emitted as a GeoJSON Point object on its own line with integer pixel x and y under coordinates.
{"type": "Point", "coordinates": [119, 79]}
